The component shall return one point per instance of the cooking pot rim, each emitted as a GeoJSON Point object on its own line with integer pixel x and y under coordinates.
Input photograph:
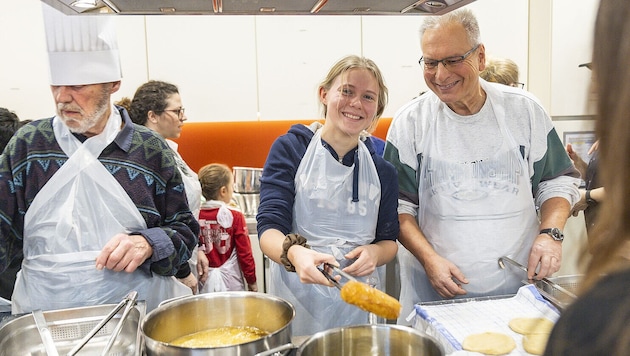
{"type": "Point", "coordinates": [321, 334]}
{"type": "Point", "coordinates": [178, 301]}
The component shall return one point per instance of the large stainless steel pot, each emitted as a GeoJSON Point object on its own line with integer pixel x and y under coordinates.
{"type": "Point", "coordinates": [247, 180]}
{"type": "Point", "coordinates": [368, 340]}
{"type": "Point", "coordinates": [201, 312]}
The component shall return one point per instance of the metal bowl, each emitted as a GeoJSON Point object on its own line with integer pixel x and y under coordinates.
{"type": "Point", "coordinates": [247, 180]}
{"type": "Point", "coordinates": [367, 340]}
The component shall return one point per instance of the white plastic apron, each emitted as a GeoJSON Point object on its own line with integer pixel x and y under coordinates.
{"type": "Point", "coordinates": [193, 195]}
{"type": "Point", "coordinates": [325, 214]}
{"type": "Point", "coordinates": [72, 217]}
{"type": "Point", "coordinates": [472, 214]}
{"type": "Point", "coordinates": [190, 180]}
{"type": "Point", "coordinates": [228, 276]}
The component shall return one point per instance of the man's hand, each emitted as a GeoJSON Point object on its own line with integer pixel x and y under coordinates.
{"type": "Point", "coordinates": [445, 277]}
{"type": "Point", "coordinates": [547, 253]}
{"type": "Point", "coordinates": [124, 253]}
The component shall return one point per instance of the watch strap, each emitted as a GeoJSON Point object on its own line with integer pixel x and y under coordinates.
{"type": "Point", "coordinates": [589, 200]}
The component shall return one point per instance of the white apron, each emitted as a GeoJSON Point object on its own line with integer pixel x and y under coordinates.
{"type": "Point", "coordinates": [228, 276]}
{"type": "Point", "coordinates": [472, 214]}
{"type": "Point", "coordinates": [193, 195]}
{"type": "Point", "coordinates": [190, 180]}
{"type": "Point", "coordinates": [73, 216]}
{"type": "Point", "coordinates": [325, 214]}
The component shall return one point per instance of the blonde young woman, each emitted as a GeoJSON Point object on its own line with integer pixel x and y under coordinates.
{"type": "Point", "coordinates": [326, 196]}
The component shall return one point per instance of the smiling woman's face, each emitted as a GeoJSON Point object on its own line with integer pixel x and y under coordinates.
{"type": "Point", "coordinates": [352, 101]}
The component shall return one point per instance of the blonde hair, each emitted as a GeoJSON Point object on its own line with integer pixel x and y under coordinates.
{"type": "Point", "coordinates": [500, 70]}
{"type": "Point", "coordinates": [356, 62]}
{"type": "Point", "coordinates": [213, 177]}
{"type": "Point", "coordinates": [611, 48]}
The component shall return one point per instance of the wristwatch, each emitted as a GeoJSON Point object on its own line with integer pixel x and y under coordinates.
{"type": "Point", "coordinates": [590, 201]}
{"type": "Point", "coordinates": [555, 233]}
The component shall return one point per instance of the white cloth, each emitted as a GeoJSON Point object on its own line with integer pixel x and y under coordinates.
{"type": "Point", "coordinates": [472, 213]}
{"type": "Point", "coordinates": [81, 49]}
{"type": "Point", "coordinates": [325, 214]}
{"type": "Point", "coordinates": [72, 217]}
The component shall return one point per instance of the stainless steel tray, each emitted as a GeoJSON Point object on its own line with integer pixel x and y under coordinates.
{"type": "Point", "coordinates": [68, 326]}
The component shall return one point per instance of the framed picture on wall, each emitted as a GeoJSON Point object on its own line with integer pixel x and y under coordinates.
{"type": "Point", "coordinates": [581, 142]}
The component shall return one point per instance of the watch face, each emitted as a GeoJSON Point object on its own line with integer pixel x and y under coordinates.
{"type": "Point", "coordinates": [557, 234]}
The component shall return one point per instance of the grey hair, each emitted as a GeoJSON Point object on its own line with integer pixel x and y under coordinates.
{"type": "Point", "coordinates": [464, 17]}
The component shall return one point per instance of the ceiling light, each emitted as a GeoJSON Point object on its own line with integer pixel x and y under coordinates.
{"type": "Point", "coordinates": [318, 6]}
{"type": "Point", "coordinates": [84, 4]}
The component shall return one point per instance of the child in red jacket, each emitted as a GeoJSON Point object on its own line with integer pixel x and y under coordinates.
{"type": "Point", "coordinates": [224, 234]}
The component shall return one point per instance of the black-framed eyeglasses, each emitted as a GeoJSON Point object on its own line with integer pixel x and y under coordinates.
{"type": "Point", "coordinates": [518, 85]}
{"type": "Point", "coordinates": [431, 64]}
{"type": "Point", "coordinates": [179, 112]}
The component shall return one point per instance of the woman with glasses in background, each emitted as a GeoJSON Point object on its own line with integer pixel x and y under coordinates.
{"type": "Point", "coordinates": [158, 106]}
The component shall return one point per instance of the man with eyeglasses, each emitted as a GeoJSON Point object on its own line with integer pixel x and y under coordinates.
{"type": "Point", "coordinates": [475, 162]}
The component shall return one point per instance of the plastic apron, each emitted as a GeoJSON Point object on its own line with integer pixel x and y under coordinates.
{"type": "Point", "coordinates": [228, 276]}
{"type": "Point", "coordinates": [77, 211]}
{"type": "Point", "coordinates": [193, 195]}
{"type": "Point", "coordinates": [325, 214]}
{"type": "Point", "coordinates": [472, 214]}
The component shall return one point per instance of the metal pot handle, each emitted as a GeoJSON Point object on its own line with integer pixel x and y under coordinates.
{"type": "Point", "coordinates": [277, 349]}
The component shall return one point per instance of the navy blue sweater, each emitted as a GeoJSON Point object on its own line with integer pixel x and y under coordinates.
{"type": "Point", "coordinates": [277, 193]}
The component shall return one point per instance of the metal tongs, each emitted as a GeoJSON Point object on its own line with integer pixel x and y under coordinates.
{"type": "Point", "coordinates": [128, 302]}
{"type": "Point", "coordinates": [44, 333]}
{"type": "Point", "coordinates": [553, 285]}
{"type": "Point", "coordinates": [339, 271]}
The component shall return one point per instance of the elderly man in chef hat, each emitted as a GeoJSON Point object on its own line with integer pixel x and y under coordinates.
{"type": "Point", "coordinates": [95, 202]}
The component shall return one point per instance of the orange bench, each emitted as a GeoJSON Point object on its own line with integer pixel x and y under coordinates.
{"type": "Point", "coordinates": [240, 143]}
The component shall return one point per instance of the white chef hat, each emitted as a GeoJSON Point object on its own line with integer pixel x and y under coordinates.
{"type": "Point", "coordinates": [82, 49]}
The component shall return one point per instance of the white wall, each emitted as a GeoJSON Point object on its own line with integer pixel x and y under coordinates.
{"type": "Point", "coordinates": [247, 67]}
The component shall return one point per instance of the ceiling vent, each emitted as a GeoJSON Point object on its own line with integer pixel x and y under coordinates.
{"type": "Point", "coordinates": [257, 7]}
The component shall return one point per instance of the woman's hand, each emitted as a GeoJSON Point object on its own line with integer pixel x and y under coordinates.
{"type": "Point", "coordinates": [306, 261]}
